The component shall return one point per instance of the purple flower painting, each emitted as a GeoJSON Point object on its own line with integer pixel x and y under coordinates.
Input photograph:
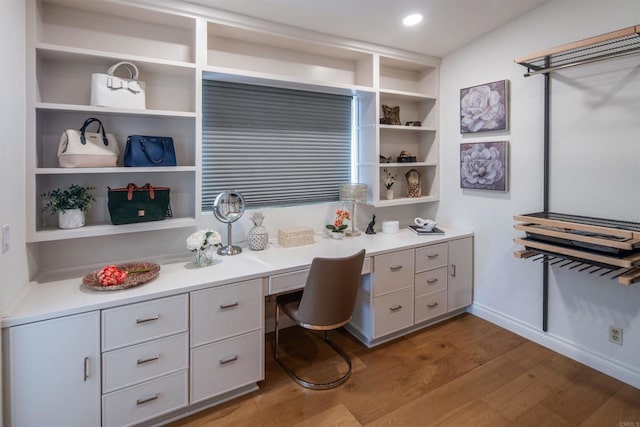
{"type": "Point", "coordinates": [483, 165]}
{"type": "Point", "coordinates": [484, 107]}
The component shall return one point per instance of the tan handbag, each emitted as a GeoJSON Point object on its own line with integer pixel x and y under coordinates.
{"type": "Point", "coordinates": [82, 149]}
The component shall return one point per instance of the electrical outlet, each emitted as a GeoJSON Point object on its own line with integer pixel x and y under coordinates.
{"type": "Point", "coordinates": [615, 335]}
{"type": "Point", "coordinates": [6, 238]}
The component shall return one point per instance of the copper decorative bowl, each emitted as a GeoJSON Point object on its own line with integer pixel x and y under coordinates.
{"type": "Point", "coordinates": [139, 273]}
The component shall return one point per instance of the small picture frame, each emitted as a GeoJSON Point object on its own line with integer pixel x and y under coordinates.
{"type": "Point", "coordinates": [484, 165]}
{"type": "Point", "coordinates": [484, 107]}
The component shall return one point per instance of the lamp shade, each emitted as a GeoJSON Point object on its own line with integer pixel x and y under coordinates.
{"type": "Point", "coordinates": [352, 192]}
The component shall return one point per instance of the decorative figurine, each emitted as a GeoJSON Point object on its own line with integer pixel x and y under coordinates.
{"type": "Point", "coordinates": [414, 188]}
{"type": "Point", "coordinates": [370, 226]}
{"type": "Point", "coordinates": [391, 115]}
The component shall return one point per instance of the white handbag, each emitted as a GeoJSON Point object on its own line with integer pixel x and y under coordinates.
{"type": "Point", "coordinates": [82, 149]}
{"type": "Point", "coordinates": [108, 90]}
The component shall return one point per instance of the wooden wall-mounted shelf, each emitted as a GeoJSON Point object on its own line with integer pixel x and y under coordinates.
{"type": "Point", "coordinates": [608, 247]}
{"type": "Point", "coordinates": [610, 45]}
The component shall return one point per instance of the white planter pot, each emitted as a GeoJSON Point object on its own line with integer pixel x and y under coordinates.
{"type": "Point", "coordinates": [71, 218]}
{"type": "Point", "coordinates": [388, 194]}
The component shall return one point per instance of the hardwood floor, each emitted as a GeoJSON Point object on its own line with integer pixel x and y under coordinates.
{"type": "Point", "coordinates": [462, 372]}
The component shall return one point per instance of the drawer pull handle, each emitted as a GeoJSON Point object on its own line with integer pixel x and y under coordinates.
{"type": "Point", "coordinates": [396, 268]}
{"type": "Point", "coordinates": [395, 307]}
{"type": "Point", "coordinates": [432, 256]}
{"type": "Point", "coordinates": [148, 359]}
{"type": "Point", "coordinates": [228, 360]}
{"type": "Point", "coordinates": [86, 368]}
{"type": "Point", "coordinates": [432, 305]}
{"type": "Point", "coordinates": [147, 400]}
{"type": "Point", "coordinates": [225, 306]}
{"type": "Point", "coordinates": [432, 281]}
{"type": "Point", "coordinates": [148, 319]}
{"type": "Point", "coordinates": [453, 270]}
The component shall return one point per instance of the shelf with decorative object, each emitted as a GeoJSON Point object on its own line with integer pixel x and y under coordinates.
{"type": "Point", "coordinates": [68, 43]}
{"type": "Point", "coordinates": [404, 122]}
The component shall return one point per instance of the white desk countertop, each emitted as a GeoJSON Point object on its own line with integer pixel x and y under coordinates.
{"type": "Point", "coordinates": [57, 298]}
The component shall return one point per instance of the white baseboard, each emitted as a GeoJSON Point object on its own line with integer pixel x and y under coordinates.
{"type": "Point", "coordinates": [625, 373]}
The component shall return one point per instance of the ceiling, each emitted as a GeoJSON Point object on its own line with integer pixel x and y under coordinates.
{"type": "Point", "coordinates": [447, 25]}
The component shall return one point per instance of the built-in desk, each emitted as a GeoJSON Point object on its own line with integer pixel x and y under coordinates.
{"type": "Point", "coordinates": [195, 337]}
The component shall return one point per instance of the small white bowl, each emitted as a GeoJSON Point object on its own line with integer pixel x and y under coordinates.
{"type": "Point", "coordinates": [390, 227]}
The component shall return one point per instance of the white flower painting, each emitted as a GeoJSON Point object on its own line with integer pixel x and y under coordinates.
{"type": "Point", "coordinates": [483, 165]}
{"type": "Point", "coordinates": [484, 107]}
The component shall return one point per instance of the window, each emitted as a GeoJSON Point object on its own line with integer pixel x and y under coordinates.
{"type": "Point", "coordinates": [275, 146]}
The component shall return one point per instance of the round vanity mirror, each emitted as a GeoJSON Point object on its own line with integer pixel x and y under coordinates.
{"type": "Point", "coordinates": [228, 207]}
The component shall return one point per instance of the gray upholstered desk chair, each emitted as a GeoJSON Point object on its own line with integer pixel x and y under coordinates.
{"type": "Point", "coordinates": [326, 303]}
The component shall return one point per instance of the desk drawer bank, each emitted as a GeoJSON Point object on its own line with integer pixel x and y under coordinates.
{"type": "Point", "coordinates": [183, 343]}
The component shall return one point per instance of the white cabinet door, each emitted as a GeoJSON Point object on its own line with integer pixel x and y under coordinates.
{"type": "Point", "coordinates": [53, 372]}
{"type": "Point", "coordinates": [460, 283]}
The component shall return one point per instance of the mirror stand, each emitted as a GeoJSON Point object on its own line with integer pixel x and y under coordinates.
{"type": "Point", "coordinates": [229, 249]}
{"type": "Point", "coordinates": [228, 208]}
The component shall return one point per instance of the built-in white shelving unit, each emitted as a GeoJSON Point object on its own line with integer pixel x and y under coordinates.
{"type": "Point", "coordinates": [412, 86]}
{"type": "Point", "coordinates": [69, 40]}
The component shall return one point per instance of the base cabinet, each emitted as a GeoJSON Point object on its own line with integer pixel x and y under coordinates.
{"type": "Point", "coordinates": [52, 372]}
{"type": "Point", "coordinates": [227, 339]}
{"type": "Point", "coordinates": [413, 288]}
{"type": "Point", "coordinates": [134, 363]}
{"type": "Point", "coordinates": [459, 289]}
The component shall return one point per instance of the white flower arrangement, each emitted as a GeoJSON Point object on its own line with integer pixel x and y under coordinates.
{"type": "Point", "coordinates": [388, 179]}
{"type": "Point", "coordinates": [203, 240]}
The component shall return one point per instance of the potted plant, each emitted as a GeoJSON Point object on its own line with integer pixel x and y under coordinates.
{"type": "Point", "coordinates": [338, 226]}
{"type": "Point", "coordinates": [70, 205]}
{"type": "Point", "coordinates": [388, 180]}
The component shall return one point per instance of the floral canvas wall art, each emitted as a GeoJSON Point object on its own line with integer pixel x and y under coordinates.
{"type": "Point", "coordinates": [483, 165]}
{"type": "Point", "coordinates": [484, 107]}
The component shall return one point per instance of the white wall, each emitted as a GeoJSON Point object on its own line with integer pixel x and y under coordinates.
{"type": "Point", "coordinates": [594, 171]}
{"type": "Point", "coordinates": [13, 264]}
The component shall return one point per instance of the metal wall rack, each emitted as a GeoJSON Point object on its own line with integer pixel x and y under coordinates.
{"type": "Point", "coordinates": [563, 252]}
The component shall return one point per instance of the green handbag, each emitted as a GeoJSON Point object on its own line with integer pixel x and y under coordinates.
{"type": "Point", "coordinates": [134, 204]}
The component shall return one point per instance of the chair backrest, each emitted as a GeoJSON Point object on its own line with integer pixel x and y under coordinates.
{"type": "Point", "coordinates": [330, 291]}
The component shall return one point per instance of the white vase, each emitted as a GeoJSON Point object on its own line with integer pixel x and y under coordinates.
{"type": "Point", "coordinates": [389, 194]}
{"type": "Point", "coordinates": [71, 218]}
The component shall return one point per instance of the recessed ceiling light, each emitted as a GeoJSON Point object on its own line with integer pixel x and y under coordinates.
{"type": "Point", "coordinates": [413, 19]}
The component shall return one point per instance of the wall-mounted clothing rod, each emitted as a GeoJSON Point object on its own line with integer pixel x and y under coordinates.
{"type": "Point", "coordinates": [606, 46]}
{"type": "Point", "coordinates": [625, 276]}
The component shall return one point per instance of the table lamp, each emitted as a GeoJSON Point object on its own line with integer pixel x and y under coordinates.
{"type": "Point", "coordinates": [353, 193]}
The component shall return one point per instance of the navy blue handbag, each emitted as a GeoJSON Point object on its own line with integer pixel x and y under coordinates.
{"type": "Point", "coordinates": [143, 150]}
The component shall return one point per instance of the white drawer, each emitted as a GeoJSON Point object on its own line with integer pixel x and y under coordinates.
{"type": "Point", "coordinates": [279, 283]}
{"type": "Point", "coordinates": [393, 272]}
{"type": "Point", "coordinates": [431, 281]}
{"type": "Point", "coordinates": [145, 401]}
{"type": "Point", "coordinates": [136, 323]}
{"type": "Point", "coordinates": [393, 312]}
{"type": "Point", "coordinates": [131, 365]}
{"type": "Point", "coordinates": [226, 365]}
{"type": "Point", "coordinates": [225, 311]}
{"type": "Point", "coordinates": [431, 305]}
{"type": "Point", "coordinates": [429, 257]}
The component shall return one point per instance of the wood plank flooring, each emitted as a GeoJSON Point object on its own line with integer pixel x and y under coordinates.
{"type": "Point", "coordinates": [462, 372]}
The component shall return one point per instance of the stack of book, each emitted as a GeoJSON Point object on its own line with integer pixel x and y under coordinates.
{"type": "Point", "coordinates": [425, 231]}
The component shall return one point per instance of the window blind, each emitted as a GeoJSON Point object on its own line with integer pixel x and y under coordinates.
{"type": "Point", "coordinates": [275, 146]}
